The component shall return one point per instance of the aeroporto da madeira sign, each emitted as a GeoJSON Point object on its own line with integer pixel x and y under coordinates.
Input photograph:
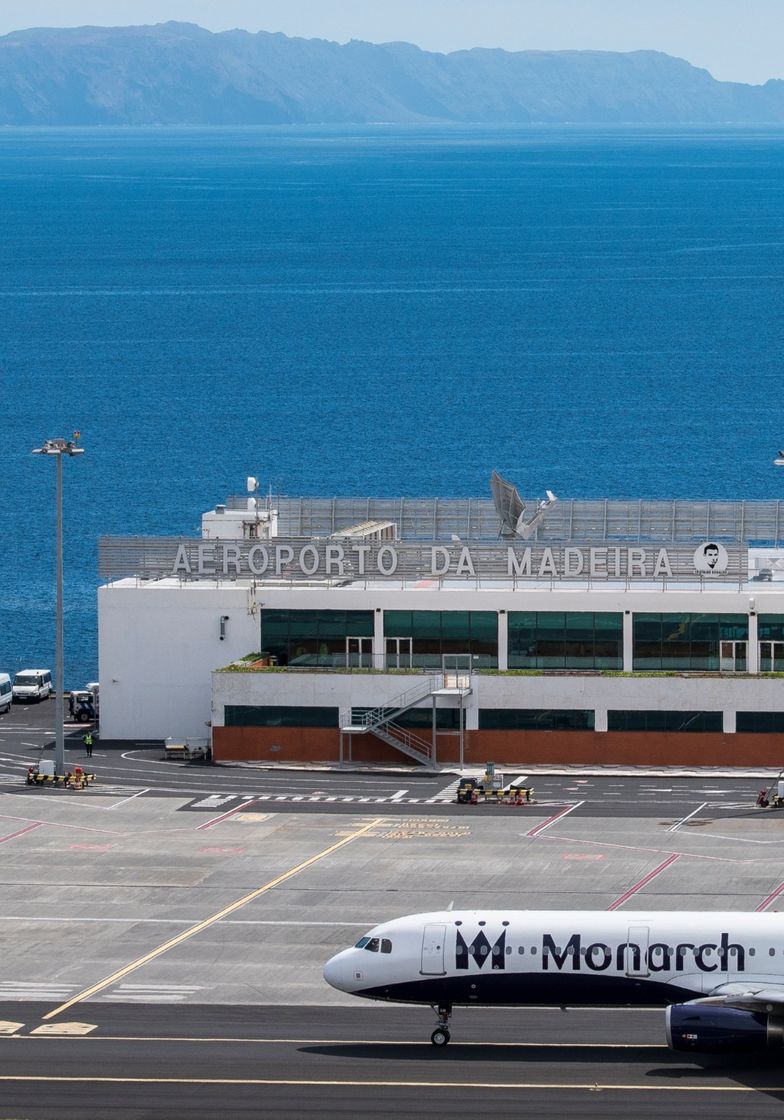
{"type": "Point", "coordinates": [296, 559]}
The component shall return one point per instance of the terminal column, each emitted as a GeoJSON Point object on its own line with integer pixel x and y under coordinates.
{"type": "Point", "coordinates": [752, 650]}
{"type": "Point", "coordinates": [503, 641]}
{"type": "Point", "coordinates": [628, 642]}
{"type": "Point", "coordinates": [379, 648]}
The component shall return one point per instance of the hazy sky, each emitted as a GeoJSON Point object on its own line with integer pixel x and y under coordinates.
{"type": "Point", "coordinates": [739, 40]}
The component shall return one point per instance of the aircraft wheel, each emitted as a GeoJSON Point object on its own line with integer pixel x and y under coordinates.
{"type": "Point", "coordinates": [440, 1036]}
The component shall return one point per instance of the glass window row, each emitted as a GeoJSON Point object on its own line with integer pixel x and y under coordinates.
{"type": "Point", "coordinates": [580, 640]}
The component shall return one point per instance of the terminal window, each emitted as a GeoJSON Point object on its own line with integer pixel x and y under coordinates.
{"type": "Point", "coordinates": [690, 642]}
{"type": "Point", "coordinates": [434, 633]}
{"type": "Point", "coordinates": [760, 722]}
{"type": "Point", "coordinates": [665, 721]}
{"type": "Point", "coordinates": [246, 715]}
{"type": "Point", "coordinates": [313, 638]}
{"type": "Point", "coordinates": [535, 719]}
{"type": "Point", "coordinates": [565, 640]}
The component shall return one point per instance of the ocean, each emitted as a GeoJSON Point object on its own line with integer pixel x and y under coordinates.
{"type": "Point", "coordinates": [379, 311]}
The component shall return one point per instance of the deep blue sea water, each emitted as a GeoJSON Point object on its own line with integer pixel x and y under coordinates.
{"type": "Point", "coordinates": [379, 311]}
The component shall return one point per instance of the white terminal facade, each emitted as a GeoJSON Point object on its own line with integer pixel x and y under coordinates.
{"type": "Point", "coordinates": [453, 631]}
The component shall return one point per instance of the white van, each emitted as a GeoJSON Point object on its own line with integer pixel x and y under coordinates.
{"type": "Point", "coordinates": [32, 684]}
{"type": "Point", "coordinates": [6, 694]}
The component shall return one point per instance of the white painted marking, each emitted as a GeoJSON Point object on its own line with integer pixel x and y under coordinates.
{"type": "Point", "coordinates": [683, 820]}
{"type": "Point", "coordinates": [397, 796]}
{"type": "Point", "coordinates": [521, 779]}
{"type": "Point", "coordinates": [214, 801]}
{"type": "Point", "coordinates": [117, 804]}
{"type": "Point", "coordinates": [448, 793]}
{"type": "Point", "coordinates": [538, 829]}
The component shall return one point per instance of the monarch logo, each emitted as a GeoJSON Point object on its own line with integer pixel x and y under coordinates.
{"type": "Point", "coordinates": [658, 957]}
{"type": "Point", "coordinates": [480, 950]}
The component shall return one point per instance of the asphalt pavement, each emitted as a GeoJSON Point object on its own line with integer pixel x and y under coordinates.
{"type": "Point", "coordinates": [27, 734]}
{"type": "Point", "coordinates": [369, 1061]}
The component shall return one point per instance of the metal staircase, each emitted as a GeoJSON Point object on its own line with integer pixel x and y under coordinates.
{"type": "Point", "coordinates": [380, 721]}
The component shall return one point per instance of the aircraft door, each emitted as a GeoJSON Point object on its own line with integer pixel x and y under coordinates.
{"type": "Point", "coordinates": [433, 950]}
{"type": "Point", "coordinates": [637, 951]}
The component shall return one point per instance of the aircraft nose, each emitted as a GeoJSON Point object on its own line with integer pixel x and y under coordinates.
{"type": "Point", "coordinates": [335, 972]}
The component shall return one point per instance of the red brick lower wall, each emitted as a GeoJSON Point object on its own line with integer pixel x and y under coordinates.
{"type": "Point", "coordinates": [517, 748]}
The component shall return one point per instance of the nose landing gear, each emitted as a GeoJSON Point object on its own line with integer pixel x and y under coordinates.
{"type": "Point", "coordinates": [441, 1035]}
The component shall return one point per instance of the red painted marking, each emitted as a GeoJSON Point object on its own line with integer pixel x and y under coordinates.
{"type": "Point", "coordinates": [576, 856]}
{"type": "Point", "coordinates": [21, 832]}
{"type": "Point", "coordinates": [224, 816]}
{"type": "Point", "coordinates": [771, 898]}
{"type": "Point", "coordinates": [551, 820]}
{"type": "Point", "coordinates": [644, 881]}
{"type": "Point", "coordinates": [223, 851]}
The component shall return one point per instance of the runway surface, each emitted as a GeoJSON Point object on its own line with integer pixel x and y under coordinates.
{"type": "Point", "coordinates": [372, 1061]}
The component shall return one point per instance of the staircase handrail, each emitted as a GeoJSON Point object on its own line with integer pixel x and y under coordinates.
{"type": "Point", "coordinates": [375, 717]}
{"type": "Point", "coordinates": [403, 739]}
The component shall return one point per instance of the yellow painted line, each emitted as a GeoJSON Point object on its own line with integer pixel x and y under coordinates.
{"type": "Point", "coordinates": [207, 922]}
{"type": "Point", "coordinates": [560, 1086]}
{"type": "Point", "coordinates": [9, 1028]}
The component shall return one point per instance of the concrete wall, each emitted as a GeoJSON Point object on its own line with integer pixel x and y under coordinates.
{"type": "Point", "coordinates": [159, 642]}
{"type": "Point", "coordinates": [156, 649]}
{"type": "Point", "coordinates": [298, 688]}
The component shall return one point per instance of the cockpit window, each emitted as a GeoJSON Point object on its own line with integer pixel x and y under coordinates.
{"type": "Point", "coordinates": [374, 944]}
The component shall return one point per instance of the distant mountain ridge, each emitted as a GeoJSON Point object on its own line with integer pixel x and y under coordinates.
{"type": "Point", "coordinates": [180, 74]}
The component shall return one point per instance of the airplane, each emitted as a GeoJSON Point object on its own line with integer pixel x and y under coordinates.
{"type": "Point", "coordinates": [720, 975]}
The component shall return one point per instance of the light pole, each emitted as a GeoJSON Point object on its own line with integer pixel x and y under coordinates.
{"type": "Point", "coordinates": [58, 448]}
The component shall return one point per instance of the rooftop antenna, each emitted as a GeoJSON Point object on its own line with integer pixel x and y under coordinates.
{"type": "Point", "coordinates": [510, 508]}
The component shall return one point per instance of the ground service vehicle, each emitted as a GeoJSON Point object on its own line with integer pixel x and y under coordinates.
{"type": "Point", "coordinates": [32, 685]}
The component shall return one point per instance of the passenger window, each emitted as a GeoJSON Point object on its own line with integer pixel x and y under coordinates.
{"type": "Point", "coordinates": [372, 945]}
{"type": "Point", "coordinates": [386, 945]}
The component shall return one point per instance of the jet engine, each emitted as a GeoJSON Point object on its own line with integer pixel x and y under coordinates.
{"type": "Point", "coordinates": [713, 1029]}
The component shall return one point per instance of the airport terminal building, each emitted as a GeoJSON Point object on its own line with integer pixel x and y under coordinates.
{"type": "Point", "coordinates": [453, 631]}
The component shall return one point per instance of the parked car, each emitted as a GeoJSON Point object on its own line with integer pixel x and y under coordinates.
{"type": "Point", "coordinates": [32, 684]}
{"type": "Point", "coordinates": [6, 692]}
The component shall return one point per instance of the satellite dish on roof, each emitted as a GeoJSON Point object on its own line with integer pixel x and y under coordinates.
{"type": "Point", "coordinates": [510, 508]}
{"type": "Point", "coordinates": [253, 484]}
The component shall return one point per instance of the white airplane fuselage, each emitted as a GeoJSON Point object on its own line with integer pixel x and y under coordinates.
{"type": "Point", "coordinates": [575, 958]}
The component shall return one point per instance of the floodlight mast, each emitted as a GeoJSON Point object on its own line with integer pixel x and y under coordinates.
{"type": "Point", "coordinates": [58, 448]}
